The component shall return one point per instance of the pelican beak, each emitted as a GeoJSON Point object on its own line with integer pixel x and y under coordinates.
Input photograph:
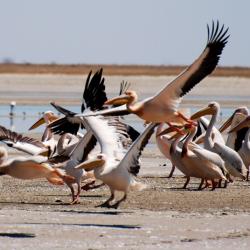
{"type": "Point", "coordinates": [243, 124]}
{"type": "Point", "coordinates": [227, 123]}
{"type": "Point", "coordinates": [44, 153]}
{"type": "Point", "coordinates": [90, 164]}
{"type": "Point", "coordinates": [120, 100]}
{"type": "Point", "coordinates": [37, 124]}
{"type": "Point", "coordinates": [202, 112]}
{"type": "Point", "coordinates": [170, 130]}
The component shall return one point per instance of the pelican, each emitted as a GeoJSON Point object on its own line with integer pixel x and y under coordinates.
{"type": "Point", "coordinates": [164, 143]}
{"type": "Point", "coordinates": [163, 107]}
{"type": "Point", "coordinates": [235, 139]}
{"type": "Point", "coordinates": [31, 168]}
{"type": "Point", "coordinates": [47, 137]}
{"type": "Point", "coordinates": [232, 159]}
{"type": "Point", "coordinates": [195, 161]}
{"type": "Point", "coordinates": [244, 150]}
{"type": "Point", "coordinates": [113, 166]}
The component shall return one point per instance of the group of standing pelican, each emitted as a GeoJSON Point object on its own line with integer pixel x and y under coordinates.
{"type": "Point", "coordinates": [109, 149]}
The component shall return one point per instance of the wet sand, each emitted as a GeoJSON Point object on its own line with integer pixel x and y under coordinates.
{"type": "Point", "coordinates": [35, 214]}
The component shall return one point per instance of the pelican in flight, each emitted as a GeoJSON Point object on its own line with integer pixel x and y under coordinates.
{"type": "Point", "coordinates": [31, 168]}
{"type": "Point", "coordinates": [232, 159]}
{"type": "Point", "coordinates": [113, 166]}
{"type": "Point", "coordinates": [163, 107]}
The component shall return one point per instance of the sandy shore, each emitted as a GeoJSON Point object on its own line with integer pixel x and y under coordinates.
{"type": "Point", "coordinates": [35, 214]}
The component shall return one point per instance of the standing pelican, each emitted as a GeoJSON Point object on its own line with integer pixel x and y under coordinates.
{"type": "Point", "coordinates": [193, 160]}
{"type": "Point", "coordinates": [113, 166]}
{"type": "Point", "coordinates": [163, 107]}
{"type": "Point", "coordinates": [233, 161]}
{"type": "Point", "coordinates": [244, 150]}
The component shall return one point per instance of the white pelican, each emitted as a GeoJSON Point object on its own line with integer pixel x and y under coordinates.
{"type": "Point", "coordinates": [195, 161]}
{"type": "Point", "coordinates": [164, 143]}
{"type": "Point", "coordinates": [216, 144]}
{"type": "Point", "coordinates": [31, 168]}
{"type": "Point", "coordinates": [112, 166]}
{"type": "Point", "coordinates": [244, 150]}
{"type": "Point", "coordinates": [235, 139]}
{"type": "Point", "coordinates": [163, 107]}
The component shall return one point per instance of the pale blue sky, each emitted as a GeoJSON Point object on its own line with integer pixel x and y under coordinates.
{"type": "Point", "coordinates": [158, 32]}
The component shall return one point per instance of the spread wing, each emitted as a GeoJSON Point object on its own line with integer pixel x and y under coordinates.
{"type": "Point", "coordinates": [199, 69]}
{"type": "Point", "coordinates": [94, 94]}
{"type": "Point", "coordinates": [23, 143]}
{"type": "Point", "coordinates": [131, 159]}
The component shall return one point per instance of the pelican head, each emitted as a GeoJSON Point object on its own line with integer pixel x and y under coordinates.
{"type": "Point", "coordinates": [245, 123]}
{"type": "Point", "coordinates": [92, 163]}
{"type": "Point", "coordinates": [47, 118]}
{"type": "Point", "coordinates": [211, 109]}
{"type": "Point", "coordinates": [128, 97]}
{"type": "Point", "coordinates": [241, 111]}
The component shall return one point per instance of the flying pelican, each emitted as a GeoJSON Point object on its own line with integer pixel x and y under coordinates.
{"type": "Point", "coordinates": [31, 168]}
{"type": "Point", "coordinates": [163, 107]}
{"type": "Point", "coordinates": [113, 166]}
{"type": "Point", "coordinates": [232, 159]}
{"type": "Point", "coordinates": [244, 150]}
{"type": "Point", "coordinates": [193, 160]}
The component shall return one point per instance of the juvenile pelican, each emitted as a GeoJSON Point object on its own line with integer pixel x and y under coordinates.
{"type": "Point", "coordinates": [113, 166]}
{"type": "Point", "coordinates": [232, 159]}
{"type": "Point", "coordinates": [163, 107]}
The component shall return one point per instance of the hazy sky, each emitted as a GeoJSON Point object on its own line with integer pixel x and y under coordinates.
{"type": "Point", "coordinates": [120, 32]}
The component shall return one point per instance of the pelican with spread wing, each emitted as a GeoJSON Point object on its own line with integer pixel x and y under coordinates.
{"type": "Point", "coordinates": [163, 107]}
{"type": "Point", "coordinates": [115, 166]}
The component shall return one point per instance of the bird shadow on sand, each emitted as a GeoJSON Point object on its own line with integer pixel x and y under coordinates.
{"type": "Point", "coordinates": [106, 212]}
{"type": "Point", "coordinates": [17, 235]}
{"type": "Point", "coordinates": [66, 195]}
{"type": "Point", "coordinates": [114, 226]}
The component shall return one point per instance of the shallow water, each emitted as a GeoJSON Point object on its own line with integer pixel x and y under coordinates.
{"type": "Point", "coordinates": [27, 115]}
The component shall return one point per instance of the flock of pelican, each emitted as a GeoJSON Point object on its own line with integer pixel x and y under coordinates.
{"type": "Point", "coordinates": [97, 144]}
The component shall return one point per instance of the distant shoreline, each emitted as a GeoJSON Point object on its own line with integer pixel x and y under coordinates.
{"type": "Point", "coordinates": [81, 69]}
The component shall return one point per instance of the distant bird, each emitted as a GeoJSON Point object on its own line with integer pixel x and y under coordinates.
{"type": "Point", "coordinates": [31, 168]}
{"type": "Point", "coordinates": [114, 166]}
{"type": "Point", "coordinates": [163, 107]}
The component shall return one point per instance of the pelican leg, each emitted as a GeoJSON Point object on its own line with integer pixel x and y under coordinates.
{"type": "Point", "coordinates": [172, 171]}
{"type": "Point", "coordinates": [214, 184]}
{"type": "Point", "coordinates": [116, 205]}
{"type": "Point", "coordinates": [225, 184]}
{"type": "Point", "coordinates": [107, 202]}
{"type": "Point", "coordinates": [201, 184]}
{"type": "Point", "coordinates": [186, 183]}
{"type": "Point", "coordinates": [76, 198]}
{"type": "Point", "coordinates": [247, 177]}
{"type": "Point", "coordinates": [219, 183]}
{"type": "Point", "coordinates": [72, 192]}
